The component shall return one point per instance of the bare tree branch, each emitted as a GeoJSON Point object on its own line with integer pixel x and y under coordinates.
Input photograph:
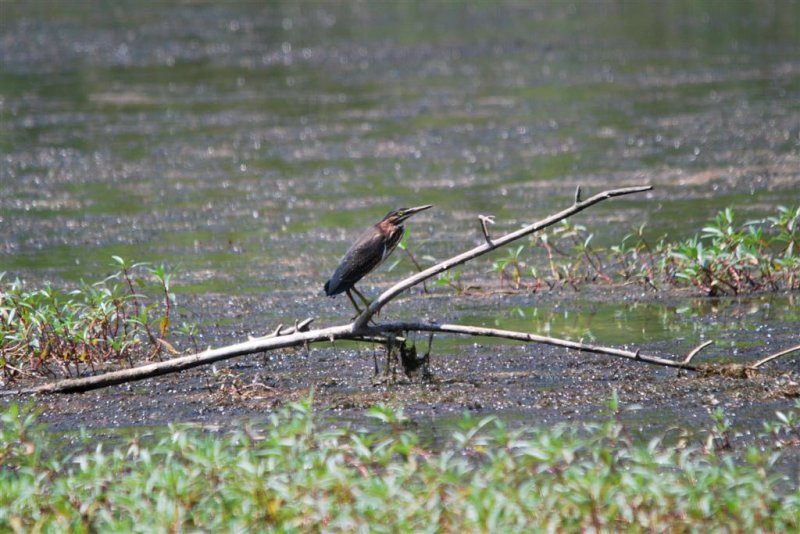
{"type": "Point", "coordinates": [209, 356]}
{"type": "Point", "coordinates": [388, 295]}
{"type": "Point", "coordinates": [379, 333]}
{"type": "Point", "coordinates": [695, 350]}
{"type": "Point", "coordinates": [775, 356]}
{"type": "Point", "coordinates": [530, 338]}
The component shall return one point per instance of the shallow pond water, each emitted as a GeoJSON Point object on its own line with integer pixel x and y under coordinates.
{"type": "Point", "coordinates": [251, 141]}
{"type": "Point", "coordinates": [681, 322]}
{"type": "Point", "coordinates": [245, 144]}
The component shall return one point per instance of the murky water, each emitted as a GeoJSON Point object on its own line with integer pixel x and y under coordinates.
{"type": "Point", "coordinates": [247, 143]}
{"type": "Point", "coordinates": [677, 323]}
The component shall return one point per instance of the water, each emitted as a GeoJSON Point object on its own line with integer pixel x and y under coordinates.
{"type": "Point", "coordinates": [740, 327]}
{"type": "Point", "coordinates": [246, 144]}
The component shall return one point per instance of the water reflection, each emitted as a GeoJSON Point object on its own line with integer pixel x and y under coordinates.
{"type": "Point", "coordinates": [683, 323]}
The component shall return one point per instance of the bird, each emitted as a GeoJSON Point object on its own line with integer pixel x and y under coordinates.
{"type": "Point", "coordinates": [368, 252]}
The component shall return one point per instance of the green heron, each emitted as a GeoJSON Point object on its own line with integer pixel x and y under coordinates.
{"type": "Point", "coordinates": [368, 252]}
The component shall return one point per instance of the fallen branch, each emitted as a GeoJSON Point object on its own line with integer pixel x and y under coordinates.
{"type": "Point", "coordinates": [530, 338]}
{"type": "Point", "coordinates": [578, 206]}
{"type": "Point", "coordinates": [359, 330]}
{"type": "Point", "coordinates": [775, 356]}
{"type": "Point", "coordinates": [183, 363]}
{"type": "Point", "coordinates": [378, 333]}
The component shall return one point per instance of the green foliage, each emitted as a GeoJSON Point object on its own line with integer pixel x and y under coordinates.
{"type": "Point", "coordinates": [451, 278]}
{"type": "Point", "coordinates": [46, 330]}
{"type": "Point", "coordinates": [295, 475]}
{"type": "Point", "coordinates": [510, 266]}
{"type": "Point", "coordinates": [635, 260]}
{"type": "Point", "coordinates": [725, 258]}
{"type": "Point", "coordinates": [785, 431]}
{"type": "Point", "coordinates": [720, 436]}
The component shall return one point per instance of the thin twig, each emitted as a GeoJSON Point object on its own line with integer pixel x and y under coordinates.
{"type": "Point", "coordinates": [304, 324]}
{"type": "Point", "coordinates": [280, 331]}
{"type": "Point", "coordinates": [695, 350]}
{"type": "Point", "coordinates": [18, 370]}
{"type": "Point", "coordinates": [486, 220]}
{"type": "Point", "coordinates": [775, 356]}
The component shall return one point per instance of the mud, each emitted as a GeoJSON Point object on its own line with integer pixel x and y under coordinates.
{"type": "Point", "coordinates": [523, 384]}
{"type": "Point", "coordinates": [245, 145]}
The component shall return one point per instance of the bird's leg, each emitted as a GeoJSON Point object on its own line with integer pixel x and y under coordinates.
{"type": "Point", "coordinates": [366, 302]}
{"type": "Point", "coordinates": [364, 299]}
{"type": "Point", "coordinates": [353, 301]}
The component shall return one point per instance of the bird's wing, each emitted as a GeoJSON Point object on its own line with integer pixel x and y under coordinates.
{"type": "Point", "coordinates": [361, 258]}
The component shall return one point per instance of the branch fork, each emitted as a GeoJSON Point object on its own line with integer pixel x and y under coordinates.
{"type": "Point", "coordinates": [391, 293]}
{"type": "Point", "coordinates": [300, 335]}
{"type": "Point", "coordinates": [486, 220]}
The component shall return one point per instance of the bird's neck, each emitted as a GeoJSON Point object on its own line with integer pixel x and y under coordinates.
{"type": "Point", "coordinates": [393, 233]}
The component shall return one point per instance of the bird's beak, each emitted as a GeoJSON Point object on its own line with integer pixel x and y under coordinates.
{"type": "Point", "coordinates": [408, 212]}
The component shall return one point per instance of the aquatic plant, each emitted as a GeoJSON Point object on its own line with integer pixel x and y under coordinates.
{"type": "Point", "coordinates": [294, 474]}
{"type": "Point", "coordinates": [724, 258]}
{"type": "Point", "coordinates": [451, 279]}
{"type": "Point", "coordinates": [510, 266]}
{"type": "Point", "coordinates": [47, 330]}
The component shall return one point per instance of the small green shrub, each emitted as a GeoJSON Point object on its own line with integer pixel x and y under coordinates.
{"type": "Point", "coordinates": [296, 475]}
{"type": "Point", "coordinates": [452, 279]}
{"type": "Point", "coordinates": [732, 259]}
{"type": "Point", "coordinates": [725, 258]}
{"type": "Point", "coordinates": [510, 266]}
{"type": "Point", "coordinates": [46, 330]}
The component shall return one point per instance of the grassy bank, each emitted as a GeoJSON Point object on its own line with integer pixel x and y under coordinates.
{"type": "Point", "coordinates": [294, 474]}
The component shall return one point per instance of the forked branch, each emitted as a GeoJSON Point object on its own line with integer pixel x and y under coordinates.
{"type": "Point", "coordinates": [578, 206]}
{"type": "Point", "coordinates": [359, 330]}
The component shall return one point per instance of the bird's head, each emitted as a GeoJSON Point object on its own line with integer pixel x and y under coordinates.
{"type": "Point", "coordinates": [399, 215]}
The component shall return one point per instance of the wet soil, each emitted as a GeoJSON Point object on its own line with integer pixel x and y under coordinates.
{"type": "Point", "coordinates": [247, 144]}
{"type": "Point", "coordinates": [523, 384]}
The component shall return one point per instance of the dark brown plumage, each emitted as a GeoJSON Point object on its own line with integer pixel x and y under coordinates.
{"type": "Point", "coordinates": [369, 251]}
